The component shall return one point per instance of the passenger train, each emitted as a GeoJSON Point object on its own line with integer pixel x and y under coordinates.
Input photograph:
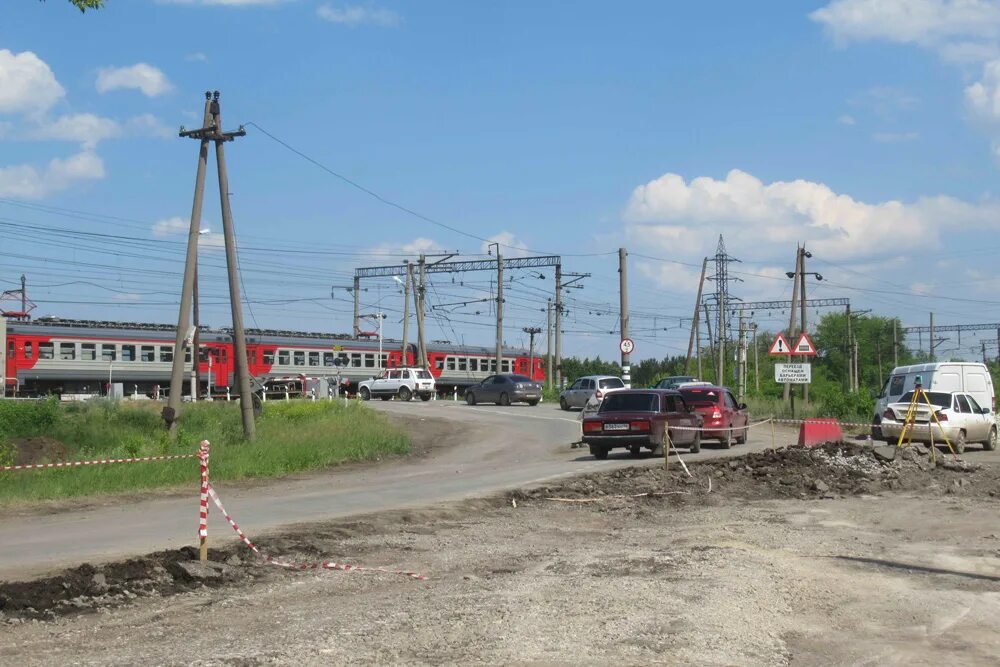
{"type": "Point", "coordinates": [81, 357]}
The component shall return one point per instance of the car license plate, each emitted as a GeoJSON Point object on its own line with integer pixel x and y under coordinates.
{"type": "Point", "coordinates": [616, 427]}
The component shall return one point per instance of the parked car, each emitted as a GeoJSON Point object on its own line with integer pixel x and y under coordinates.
{"type": "Point", "coordinates": [726, 420]}
{"type": "Point", "coordinates": [961, 419]}
{"type": "Point", "coordinates": [968, 377]}
{"type": "Point", "coordinates": [673, 381]}
{"type": "Point", "coordinates": [402, 382]}
{"type": "Point", "coordinates": [578, 393]}
{"type": "Point", "coordinates": [504, 390]}
{"type": "Point", "coordinates": [642, 418]}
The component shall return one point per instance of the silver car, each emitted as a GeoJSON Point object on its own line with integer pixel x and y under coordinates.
{"type": "Point", "coordinates": [578, 393]}
{"type": "Point", "coordinates": [959, 417]}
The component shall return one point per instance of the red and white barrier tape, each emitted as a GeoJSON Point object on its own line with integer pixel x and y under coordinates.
{"type": "Point", "coordinates": [716, 429]}
{"type": "Point", "coordinates": [77, 464]}
{"type": "Point", "coordinates": [203, 513]}
{"type": "Point", "coordinates": [327, 565]}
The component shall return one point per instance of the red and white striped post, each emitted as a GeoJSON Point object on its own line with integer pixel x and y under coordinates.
{"type": "Point", "coordinates": [203, 515]}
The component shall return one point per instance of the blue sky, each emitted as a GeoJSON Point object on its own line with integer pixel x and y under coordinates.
{"type": "Point", "coordinates": [867, 130]}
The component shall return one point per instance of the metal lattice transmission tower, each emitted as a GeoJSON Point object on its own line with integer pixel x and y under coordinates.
{"type": "Point", "coordinates": [720, 301]}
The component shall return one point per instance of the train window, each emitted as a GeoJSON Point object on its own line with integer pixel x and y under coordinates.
{"type": "Point", "coordinates": [299, 357]}
{"type": "Point", "coordinates": [474, 365]}
{"type": "Point", "coordinates": [385, 359]}
{"type": "Point", "coordinates": [29, 350]}
{"type": "Point", "coordinates": [506, 366]}
{"type": "Point", "coordinates": [251, 356]}
{"type": "Point", "coordinates": [11, 349]}
{"type": "Point", "coordinates": [463, 363]}
{"type": "Point", "coordinates": [314, 358]}
{"type": "Point", "coordinates": [187, 355]}
{"type": "Point", "coordinates": [147, 353]}
{"type": "Point", "coordinates": [222, 355]}
{"type": "Point", "coordinates": [166, 353]}
{"type": "Point", "coordinates": [369, 361]}
{"type": "Point", "coordinates": [88, 351]}
{"type": "Point", "coordinates": [450, 362]}
{"type": "Point", "coordinates": [46, 351]}
{"type": "Point", "coordinates": [67, 351]}
{"type": "Point", "coordinates": [344, 359]}
{"type": "Point", "coordinates": [108, 352]}
{"type": "Point", "coordinates": [269, 357]}
{"type": "Point", "coordinates": [128, 352]}
{"type": "Point", "coordinates": [356, 359]}
{"type": "Point", "coordinates": [328, 359]}
{"type": "Point", "coordinates": [439, 364]}
{"type": "Point", "coordinates": [493, 365]}
{"type": "Point", "coordinates": [283, 357]}
{"type": "Point", "coordinates": [202, 355]}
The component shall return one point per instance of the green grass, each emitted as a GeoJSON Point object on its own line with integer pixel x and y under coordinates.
{"type": "Point", "coordinates": [291, 437]}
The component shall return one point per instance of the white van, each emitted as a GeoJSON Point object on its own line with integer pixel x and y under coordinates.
{"type": "Point", "coordinates": [971, 378]}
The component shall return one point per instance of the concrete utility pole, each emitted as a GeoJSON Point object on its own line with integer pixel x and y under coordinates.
{"type": "Point", "coordinates": [756, 368]}
{"type": "Point", "coordinates": [406, 311]}
{"type": "Point", "coordinates": [173, 411]}
{"type": "Point", "coordinates": [623, 313]}
{"type": "Point", "coordinates": [930, 346]}
{"type": "Point", "coordinates": [236, 304]}
{"type": "Point", "coordinates": [548, 343]}
{"type": "Point", "coordinates": [357, 307]}
{"type": "Point", "coordinates": [697, 347]}
{"type": "Point", "coordinates": [711, 341]}
{"type": "Point", "coordinates": [795, 300]}
{"type": "Point", "coordinates": [558, 307]}
{"type": "Point", "coordinates": [742, 358]}
{"type": "Point", "coordinates": [895, 344]}
{"type": "Point", "coordinates": [196, 338]}
{"type": "Point", "coordinates": [421, 328]}
{"type": "Point", "coordinates": [531, 331]}
{"type": "Point", "coordinates": [850, 352]}
{"type": "Point", "coordinates": [802, 300]}
{"type": "Point", "coordinates": [499, 350]}
{"type": "Point", "coordinates": [695, 323]}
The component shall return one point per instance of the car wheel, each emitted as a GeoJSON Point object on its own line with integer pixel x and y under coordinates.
{"type": "Point", "coordinates": [991, 441]}
{"type": "Point", "coordinates": [696, 443]}
{"type": "Point", "coordinates": [533, 403]}
{"type": "Point", "coordinates": [470, 398]}
{"type": "Point", "coordinates": [563, 404]}
{"type": "Point", "coordinates": [405, 394]}
{"type": "Point", "coordinates": [365, 394]}
{"type": "Point", "coordinates": [425, 397]}
{"type": "Point", "coordinates": [959, 444]}
{"type": "Point", "coordinates": [727, 440]}
{"type": "Point", "coordinates": [504, 399]}
{"type": "Point", "coordinates": [634, 450]}
{"type": "Point", "coordinates": [742, 440]}
{"type": "Point", "coordinates": [599, 451]}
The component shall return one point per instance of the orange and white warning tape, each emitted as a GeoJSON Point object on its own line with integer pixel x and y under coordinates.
{"type": "Point", "coordinates": [203, 513]}
{"type": "Point", "coordinates": [321, 565]}
{"type": "Point", "coordinates": [716, 429]}
{"type": "Point", "coordinates": [78, 464]}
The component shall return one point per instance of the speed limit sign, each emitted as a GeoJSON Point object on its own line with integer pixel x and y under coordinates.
{"type": "Point", "coordinates": [627, 346]}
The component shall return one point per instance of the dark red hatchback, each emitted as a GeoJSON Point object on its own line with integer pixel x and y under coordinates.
{"type": "Point", "coordinates": [638, 418]}
{"type": "Point", "coordinates": [725, 419]}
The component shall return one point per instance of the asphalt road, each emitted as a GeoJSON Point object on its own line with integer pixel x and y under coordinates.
{"type": "Point", "coordinates": [493, 448]}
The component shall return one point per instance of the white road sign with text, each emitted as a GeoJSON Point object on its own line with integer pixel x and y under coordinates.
{"type": "Point", "coordinates": [792, 373]}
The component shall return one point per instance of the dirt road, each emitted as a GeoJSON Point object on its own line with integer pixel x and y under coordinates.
{"type": "Point", "coordinates": [463, 452]}
{"type": "Point", "coordinates": [789, 560]}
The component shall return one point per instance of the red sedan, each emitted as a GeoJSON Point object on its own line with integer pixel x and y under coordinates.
{"type": "Point", "coordinates": [638, 418]}
{"type": "Point", "coordinates": [725, 419]}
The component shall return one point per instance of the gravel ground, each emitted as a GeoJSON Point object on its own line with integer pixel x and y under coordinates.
{"type": "Point", "coordinates": [830, 557]}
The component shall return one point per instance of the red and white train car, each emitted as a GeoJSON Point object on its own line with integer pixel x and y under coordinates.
{"type": "Point", "coordinates": [54, 356]}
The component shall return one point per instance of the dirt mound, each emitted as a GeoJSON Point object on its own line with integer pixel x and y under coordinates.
{"type": "Point", "coordinates": [29, 451]}
{"type": "Point", "coordinates": [829, 471]}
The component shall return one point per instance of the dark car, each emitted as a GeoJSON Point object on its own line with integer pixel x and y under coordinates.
{"type": "Point", "coordinates": [504, 390]}
{"type": "Point", "coordinates": [674, 381]}
{"type": "Point", "coordinates": [637, 418]}
{"type": "Point", "coordinates": [725, 419]}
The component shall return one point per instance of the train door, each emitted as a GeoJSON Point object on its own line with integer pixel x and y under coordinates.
{"type": "Point", "coordinates": [6, 356]}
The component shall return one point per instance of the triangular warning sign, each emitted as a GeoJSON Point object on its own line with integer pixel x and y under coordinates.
{"type": "Point", "coordinates": [804, 346]}
{"type": "Point", "coordinates": [780, 345]}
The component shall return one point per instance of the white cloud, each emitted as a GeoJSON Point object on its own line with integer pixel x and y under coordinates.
{"type": "Point", "coordinates": [27, 84]}
{"type": "Point", "coordinates": [141, 76]}
{"type": "Point", "coordinates": [148, 125]}
{"type": "Point", "coordinates": [85, 128]}
{"type": "Point", "coordinates": [171, 226]}
{"type": "Point", "coordinates": [510, 245]}
{"type": "Point", "coordinates": [846, 120]}
{"type": "Point", "coordinates": [410, 248]}
{"type": "Point", "coordinates": [28, 182]}
{"type": "Point", "coordinates": [673, 215]}
{"type": "Point", "coordinates": [955, 28]}
{"type": "Point", "coordinates": [983, 96]}
{"type": "Point", "coordinates": [886, 102]}
{"type": "Point", "coordinates": [197, 57]}
{"type": "Point", "coordinates": [355, 15]}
